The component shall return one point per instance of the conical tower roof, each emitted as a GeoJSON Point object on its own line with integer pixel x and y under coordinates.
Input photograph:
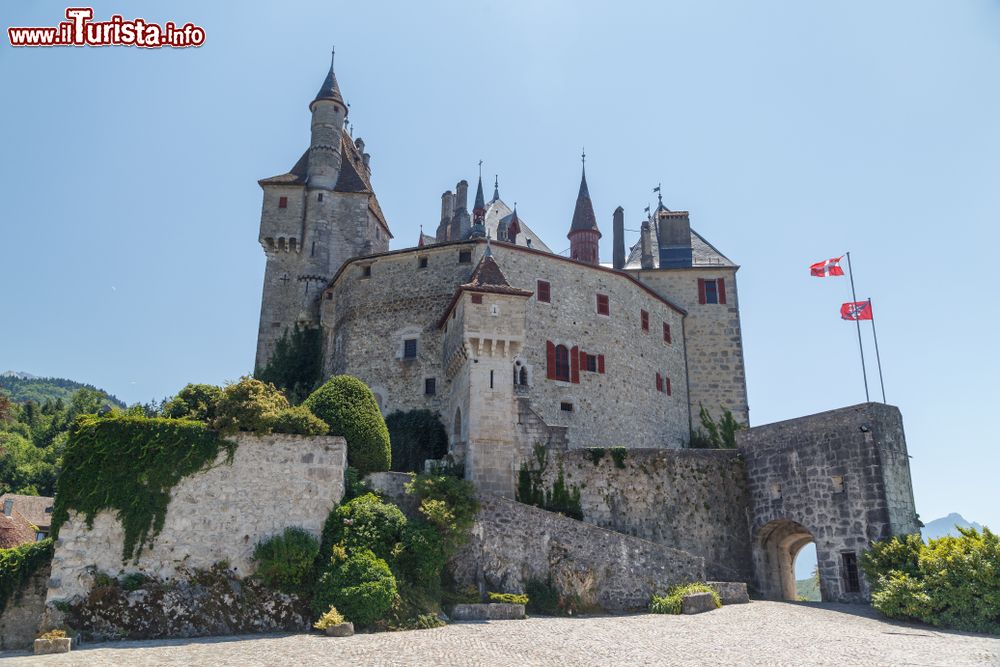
{"type": "Point", "coordinates": [330, 90]}
{"type": "Point", "coordinates": [584, 219]}
{"type": "Point", "coordinates": [480, 203]}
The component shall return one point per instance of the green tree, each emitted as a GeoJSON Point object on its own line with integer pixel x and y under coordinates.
{"type": "Point", "coordinates": [296, 365]}
{"type": "Point", "coordinates": [349, 408]}
{"type": "Point", "coordinates": [415, 436]}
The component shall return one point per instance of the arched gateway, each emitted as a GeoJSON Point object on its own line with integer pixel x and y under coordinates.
{"type": "Point", "coordinates": [777, 545]}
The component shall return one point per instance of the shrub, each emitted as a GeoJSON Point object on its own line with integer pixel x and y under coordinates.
{"type": "Point", "coordinates": [298, 421]}
{"type": "Point", "coordinates": [194, 401]}
{"type": "Point", "coordinates": [17, 564]}
{"type": "Point", "coordinates": [511, 598]}
{"type": "Point", "coordinates": [415, 436]}
{"type": "Point", "coordinates": [58, 633]}
{"type": "Point", "coordinates": [285, 561]}
{"type": "Point", "coordinates": [672, 601]}
{"type": "Point", "coordinates": [954, 581]}
{"type": "Point", "coordinates": [329, 619]}
{"type": "Point", "coordinates": [367, 523]}
{"type": "Point", "coordinates": [422, 557]}
{"type": "Point", "coordinates": [349, 408]}
{"type": "Point", "coordinates": [296, 365]}
{"type": "Point", "coordinates": [717, 435]}
{"type": "Point", "coordinates": [248, 405]}
{"type": "Point", "coordinates": [450, 504]}
{"type": "Point", "coordinates": [543, 598]}
{"type": "Point", "coordinates": [560, 498]}
{"type": "Point", "coordinates": [361, 586]}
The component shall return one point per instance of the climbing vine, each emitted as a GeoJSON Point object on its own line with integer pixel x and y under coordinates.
{"type": "Point", "coordinates": [18, 564]}
{"type": "Point", "coordinates": [561, 498]}
{"type": "Point", "coordinates": [129, 464]}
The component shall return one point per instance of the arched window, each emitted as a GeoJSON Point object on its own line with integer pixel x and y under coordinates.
{"type": "Point", "coordinates": [457, 430]}
{"type": "Point", "coordinates": [523, 379]}
{"type": "Point", "coordinates": [562, 363]}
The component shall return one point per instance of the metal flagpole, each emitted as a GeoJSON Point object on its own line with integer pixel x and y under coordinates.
{"type": "Point", "coordinates": [864, 372]}
{"type": "Point", "coordinates": [877, 357]}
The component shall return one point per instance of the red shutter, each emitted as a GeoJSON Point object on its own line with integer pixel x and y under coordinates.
{"type": "Point", "coordinates": [666, 332]}
{"type": "Point", "coordinates": [583, 359]}
{"type": "Point", "coordinates": [668, 387]}
{"type": "Point", "coordinates": [659, 382]}
{"type": "Point", "coordinates": [600, 363]}
{"type": "Point", "coordinates": [722, 290]}
{"type": "Point", "coordinates": [701, 290]}
{"type": "Point", "coordinates": [574, 365]}
{"type": "Point", "coordinates": [550, 359]}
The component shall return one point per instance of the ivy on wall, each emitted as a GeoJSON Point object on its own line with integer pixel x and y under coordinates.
{"type": "Point", "coordinates": [17, 564]}
{"type": "Point", "coordinates": [128, 465]}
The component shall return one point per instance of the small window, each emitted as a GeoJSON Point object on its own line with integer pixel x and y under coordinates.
{"type": "Point", "coordinates": [491, 379]}
{"type": "Point", "coordinates": [711, 291]}
{"type": "Point", "coordinates": [838, 483]}
{"type": "Point", "coordinates": [566, 407]}
{"type": "Point", "coordinates": [366, 271]}
{"type": "Point", "coordinates": [602, 305]}
{"type": "Point", "coordinates": [590, 363]}
{"type": "Point", "coordinates": [477, 298]}
{"type": "Point", "coordinates": [465, 257]}
{"type": "Point", "coordinates": [666, 333]}
{"type": "Point", "coordinates": [659, 382]}
{"type": "Point", "coordinates": [544, 291]}
{"type": "Point", "coordinates": [667, 387]}
{"type": "Point", "coordinates": [422, 263]}
{"type": "Point", "coordinates": [562, 363]}
{"type": "Point", "coordinates": [644, 318]}
{"type": "Point", "coordinates": [329, 296]}
{"type": "Point", "coordinates": [282, 202]}
{"type": "Point", "coordinates": [410, 348]}
{"type": "Point", "coordinates": [430, 386]}
{"type": "Point", "coordinates": [319, 197]}
{"type": "Point", "coordinates": [852, 582]}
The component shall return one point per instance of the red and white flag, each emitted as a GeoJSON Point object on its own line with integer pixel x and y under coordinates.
{"type": "Point", "coordinates": [826, 269]}
{"type": "Point", "coordinates": [856, 310]}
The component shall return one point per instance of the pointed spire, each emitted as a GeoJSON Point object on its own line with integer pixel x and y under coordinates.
{"type": "Point", "coordinates": [496, 188]}
{"type": "Point", "coordinates": [480, 203]}
{"type": "Point", "coordinates": [330, 90]}
{"type": "Point", "coordinates": [514, 226]}
{"type": "Point", "coordinates": [420, 241]}
{"type": "Point", "coordinates": [583, 216]}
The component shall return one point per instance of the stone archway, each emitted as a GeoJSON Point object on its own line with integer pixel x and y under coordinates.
{"type": "Point", "coordinates": [777, 545]}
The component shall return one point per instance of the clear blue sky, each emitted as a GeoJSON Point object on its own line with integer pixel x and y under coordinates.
{"type": "Point", "coordinates": [792, 132]}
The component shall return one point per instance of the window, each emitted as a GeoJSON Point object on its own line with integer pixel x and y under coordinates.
{"type": "Point", "coordinates": [544, 291]}
{"type": "Point", "coordinates": [712, 290]}
{"type": "Point", "coordinates": [562, 363]}
{"type": "Point", "coordinates": [410, 348]}
{"type": "Point", "coordinates": [852, 582]}
{"type": "Point", "coordinates": [667, 387]}
{"type": "Point", "coordinates": [522, 376]}
{"type": "Point", "coordinates": [838, 483]}
{"type": "Point", "coordinates": [465, 257]}
{"type": "Point", "coordinates": [422, 263]}
{"type": "Point", "coordinates": [491, 379]}
{"type": "Point", "coordinates": [659, 382]}
{"type": "Point", "coordinates": [319, 197]}
{"type": "Point", "coordinates": [589, 362]}
{"type": "Point", "coordinates": [644, 318]}
{"type": "Point", "coordinates": [430, 386]}
{"type": "Point", "coordinates": [602, 305]}
{"type": "Point", "coordinates": [329, 296]}
{"type": "Point", "coordinates": [477, 298]}
{"type": "Point", "coordinates": [282, 202]}
{"type": "Point", "coordinates": [366, 271]}
{"type": "Point", "coordinates": [566, 407]}
{"type": "Point", "coordinates": [666, 333]}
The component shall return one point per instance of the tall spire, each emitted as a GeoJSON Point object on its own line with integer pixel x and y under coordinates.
{"type": "Point", "coordinates": [479, 209]}
{"type": "Point", "coordinates": [330, 90]}
{"type": "Point", "coordinates": [480, 203]}
{"type": "Point", "coordinates": [583, 215]}
{"type": "Point", "coordinates": [496, 188]}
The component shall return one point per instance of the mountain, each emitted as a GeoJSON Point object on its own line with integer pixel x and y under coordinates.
{"type": "Point", "coordinates": [807, 590]}
{"type": "Point", "coordinates": [24, 387]}
{"type": "Point", "coordinates": [946, 526]}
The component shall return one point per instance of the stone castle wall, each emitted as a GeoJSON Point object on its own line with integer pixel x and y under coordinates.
{"type": "Point", "coordinates": [274, 482]}
{"type": "Point", "coordinates": [839, 478]}
{"type": "Point", "coordinates": [694, 500]}
{"type": "Point", "coordinates": [21, 618]}
{"type": "Point", "coordinates": [716, 370]}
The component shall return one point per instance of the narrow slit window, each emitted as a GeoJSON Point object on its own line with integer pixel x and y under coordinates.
{"type": "Point", "coordinates": [544, 291]}
{"type": "Point", "coordinates": [644, 319]}
{"type": "Point", "coordinates": [603, 307]}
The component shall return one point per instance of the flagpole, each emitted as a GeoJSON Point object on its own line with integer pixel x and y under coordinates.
{"type": "Point", "coordinates": [877, 357]}
{"type": "Point", "coordinates": [854, 298]}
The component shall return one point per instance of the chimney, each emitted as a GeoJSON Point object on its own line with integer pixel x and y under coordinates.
{"type": "Point", "coordinates": [618, 238]}
{"type": "Point", "coordinates": [646, 239]}
{"type": "Point", "coordinates": [675, 239]}
{"type": "Point", "coordinates": [462, 196]}
{"type": "Point", "coordinates": [366, 158]}
{"type": "Point", "coordinates": [359, 143]}
{"type": "Point", "coordinates": [447, 210]}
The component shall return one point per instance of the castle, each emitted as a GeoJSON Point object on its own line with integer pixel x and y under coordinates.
{"type": "Point", "coordinates": [512, 344]}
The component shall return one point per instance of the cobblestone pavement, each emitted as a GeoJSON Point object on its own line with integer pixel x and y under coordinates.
{"type": "Point", "coordinates": [760, 633]}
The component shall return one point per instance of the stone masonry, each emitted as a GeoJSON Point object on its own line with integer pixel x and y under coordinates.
{"type": "Point", "coordinates": [274, 482]}
{"type": "Point", "coordinates": [839, 478]}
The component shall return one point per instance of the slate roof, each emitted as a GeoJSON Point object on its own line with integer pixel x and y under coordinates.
{"type": "Point", "coordinates": [480, 203]}
{"type": "Point", "coordinates": [497, 211]}
{"type": "Point", "coordinates": [32, 508]}
{"type": "Point", "coordinates": [330, 90]}
{"type": "Point", "coordinates": [489, 277]}
{"type": "Point", "coordinates": [703, 253]}
{"type": "Point", "coordinates": [583, 215]}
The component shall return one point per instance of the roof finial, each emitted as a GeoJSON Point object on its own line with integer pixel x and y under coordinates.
{"type": "Point", "coordinates": [480, 169]}
{"type": "Point", "coordinates": [496, 187]}
{"type": "Point", "coordinates": [583, 157]}
{"type": "Point", "coordinates": [333, 52]}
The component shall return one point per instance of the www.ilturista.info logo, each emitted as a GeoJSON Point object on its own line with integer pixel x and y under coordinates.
{"type": "Point", "coordinates": [79, 30]}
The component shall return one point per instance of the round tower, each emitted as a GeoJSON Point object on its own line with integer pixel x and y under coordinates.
{"type": "Point", "coordinates": [328, 114]}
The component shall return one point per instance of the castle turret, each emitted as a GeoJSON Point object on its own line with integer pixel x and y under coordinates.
{"type": "Point", "coordinates": [328, 114]}
{"type": "Point", "coordinates": [583, 233]}
{"type": "Point", "coordinates": [618, 237]}
{"type": "Point", "coordinates": [478, 229]}
{"type": "Point", "coordinates": [496, 189]}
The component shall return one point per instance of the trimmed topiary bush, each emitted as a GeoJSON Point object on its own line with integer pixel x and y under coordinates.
{"type": "Point", "coordinates": [248, 405]}
{"type": "Point", "coordinates": [366, 523]}
{"type": "Point", "coordinates": [349, 408]}
{"type": "Point", "coordinates": [671, 602]}
{"type": "Point", "coordinates": [298, 421]}
{"type": "Point", "coordinates": [360, 586]}
{"type": "Point", "coordinates": [285, 561]}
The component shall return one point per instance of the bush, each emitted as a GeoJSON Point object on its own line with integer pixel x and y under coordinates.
{"type": "Point", "coordinates": [450, 504]}
{"type": "Point", "coordinates": [194, 401]}
{"type": "Point", "coordinates": [329, 619]}
{"type": "Point", "coordinates": [17, 564]}
{"type": "Point", "coordinates": [361, 586]}
{"type": "Point", "coordinates": [543, 598]}
{"type": "Point", "coordinates": [415, 436]}
{"type": "Point", "coordinates": [672, 601]}
{"type": "Point", "coordinates": [717, 435]}
{"type": "Point", "coordinates": [298, 421]}
{"type": "Point", "coordinates": [285, 561]}
{"type": "Point", "coordinates": [296, 364]}
{"type": "Point", "coordinates": [366, 523]}
{"type": "Point", "coordinates": [349, 408]}
{"type": "Point", "coordinates": [422, 558]}
{"type": "Point", "coordinates": [248, 405]}
{"type": "Point", "coordinates": [953, 582]}
{"type": "Point", "coordinates": [510, 598]}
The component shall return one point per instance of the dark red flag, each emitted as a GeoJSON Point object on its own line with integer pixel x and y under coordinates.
{"type": "Point", "coordinates": [856, 310]}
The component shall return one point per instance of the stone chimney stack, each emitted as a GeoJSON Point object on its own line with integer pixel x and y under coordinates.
{"type": "Point", "coordinates": [675, 239]}
{"type": "Point", "coordinates": [461, 222]}
{"type": "Point", "coordinates": [447, 211]}
{"type": "Point", "coordinates": [618, 238]}
{"type": "Point", "coordinates": [646, 239]}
